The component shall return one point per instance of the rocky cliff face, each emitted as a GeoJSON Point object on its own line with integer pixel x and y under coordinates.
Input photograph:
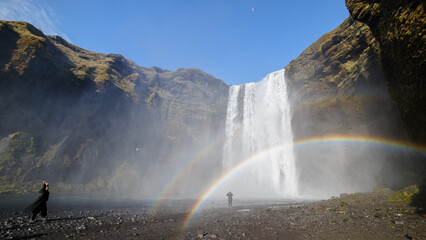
{"type": "Point", "coordinates": [400, 29]}
{"type": "Point", "coordinates": [92, 120]}
{"type": "Point", "coordinates": [99, 122]}
{"type": "Point", "coordinates": [337, 87]}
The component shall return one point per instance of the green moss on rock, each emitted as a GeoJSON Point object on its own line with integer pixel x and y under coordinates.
{"type": "Point", "coordinates": [400, 28]}
{"type": "Point", "coordinates": [76, 114]}
{"type": "Point", "coordinates": [404, 195]}
{"type": "Point", "coordinates": [328, 84]}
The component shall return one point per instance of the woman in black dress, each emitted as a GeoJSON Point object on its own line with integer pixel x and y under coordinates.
{"type": "Point", "coordinates": [40, 205]}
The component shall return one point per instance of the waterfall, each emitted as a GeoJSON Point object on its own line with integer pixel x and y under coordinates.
{"type": "Point", "coordinates": [258, 131]}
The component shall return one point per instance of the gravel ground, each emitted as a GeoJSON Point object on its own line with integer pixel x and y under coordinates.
{"type": "Point", "coordinates": [362, 217]}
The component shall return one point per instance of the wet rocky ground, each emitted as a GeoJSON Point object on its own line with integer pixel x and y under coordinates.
{"type": "Point", "coordinates": [356, 216]}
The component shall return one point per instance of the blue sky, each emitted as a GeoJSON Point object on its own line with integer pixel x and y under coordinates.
{"type": "Point", "coordinates": [237, 41]}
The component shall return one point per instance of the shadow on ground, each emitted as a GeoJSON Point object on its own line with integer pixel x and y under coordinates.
{"type": "Point", "coordinates": [419, 199]}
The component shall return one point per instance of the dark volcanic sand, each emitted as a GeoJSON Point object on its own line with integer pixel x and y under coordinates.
{"type": "Point", "coordinates": [362, 217]}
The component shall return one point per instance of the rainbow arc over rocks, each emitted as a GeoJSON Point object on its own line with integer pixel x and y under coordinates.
{"type": "Point", "coordinates": [174, 181]}
{"type": "Point", "coordinates": [331, 139]}
{"type": "Point", "coordinates": [177, 178]}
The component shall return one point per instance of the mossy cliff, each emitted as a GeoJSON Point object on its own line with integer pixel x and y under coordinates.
{"type": "Point", "coordinates": [99, 122]}
{"type": "Point", "coordinates": [88, 119]}
{"type": "Point", "coordinates": [337, 88]}
{"type": "Point", "coordinates": [400, 28]}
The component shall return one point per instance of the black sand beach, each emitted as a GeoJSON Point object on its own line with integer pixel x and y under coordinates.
{"type": "Point", "coordinates": [355, 216]}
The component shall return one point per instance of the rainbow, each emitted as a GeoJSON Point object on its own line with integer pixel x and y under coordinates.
{"type": "Point", "coordinates": [183, 171]}
{"type": "Point", "coordinates": [359, 139]}
{"type": "Point", "coordinates": [300, 143]}
{"type": "Point", "coordinates": [193, 161]}
{"type": "Point", "coordinates": [253, 158]}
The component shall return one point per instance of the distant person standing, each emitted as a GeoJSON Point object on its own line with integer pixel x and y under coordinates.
{"type": "Point", "coordinates": [40, 205]}
{"type": "Point", "coordinates": [229, 194]}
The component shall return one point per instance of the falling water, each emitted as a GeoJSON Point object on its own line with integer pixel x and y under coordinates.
{"type": "Point", "coordinates": [258, 124]}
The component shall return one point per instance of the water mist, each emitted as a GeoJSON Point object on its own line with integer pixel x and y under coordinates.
{"type": "Point", "coordinates": [259, 143]}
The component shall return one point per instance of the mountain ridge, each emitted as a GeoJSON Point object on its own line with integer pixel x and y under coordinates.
{"type": "Point", "coordinates": [93, 122]}
{"type": "Point", "coordinates": [85, 110]}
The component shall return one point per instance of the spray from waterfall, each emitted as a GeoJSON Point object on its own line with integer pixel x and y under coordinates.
{"type": "Point", "coordinates": [258, 118]}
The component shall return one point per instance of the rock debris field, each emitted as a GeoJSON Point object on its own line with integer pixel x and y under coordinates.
{"type": "Point", "coordinates": [351, 216]}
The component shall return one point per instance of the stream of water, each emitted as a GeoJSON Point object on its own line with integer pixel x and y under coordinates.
{"type": "Point", "coordinates": [259, 143]}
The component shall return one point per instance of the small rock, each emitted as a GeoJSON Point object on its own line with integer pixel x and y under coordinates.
{"type": "Point", "coordinates": [212, 235]}
{"type": "Point", "coordinates": [342, 195]}
{"type": "Point", "coordinates": [82, 227]}
{"type": "Point", "coordinates": [408, 237]}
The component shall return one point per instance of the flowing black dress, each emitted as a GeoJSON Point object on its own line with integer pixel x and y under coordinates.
{"type": "Point", "coordinates": [39, 205]}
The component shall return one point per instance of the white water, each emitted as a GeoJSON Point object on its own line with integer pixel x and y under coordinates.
{"type": "Point", "coordinates": [259, 138]}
